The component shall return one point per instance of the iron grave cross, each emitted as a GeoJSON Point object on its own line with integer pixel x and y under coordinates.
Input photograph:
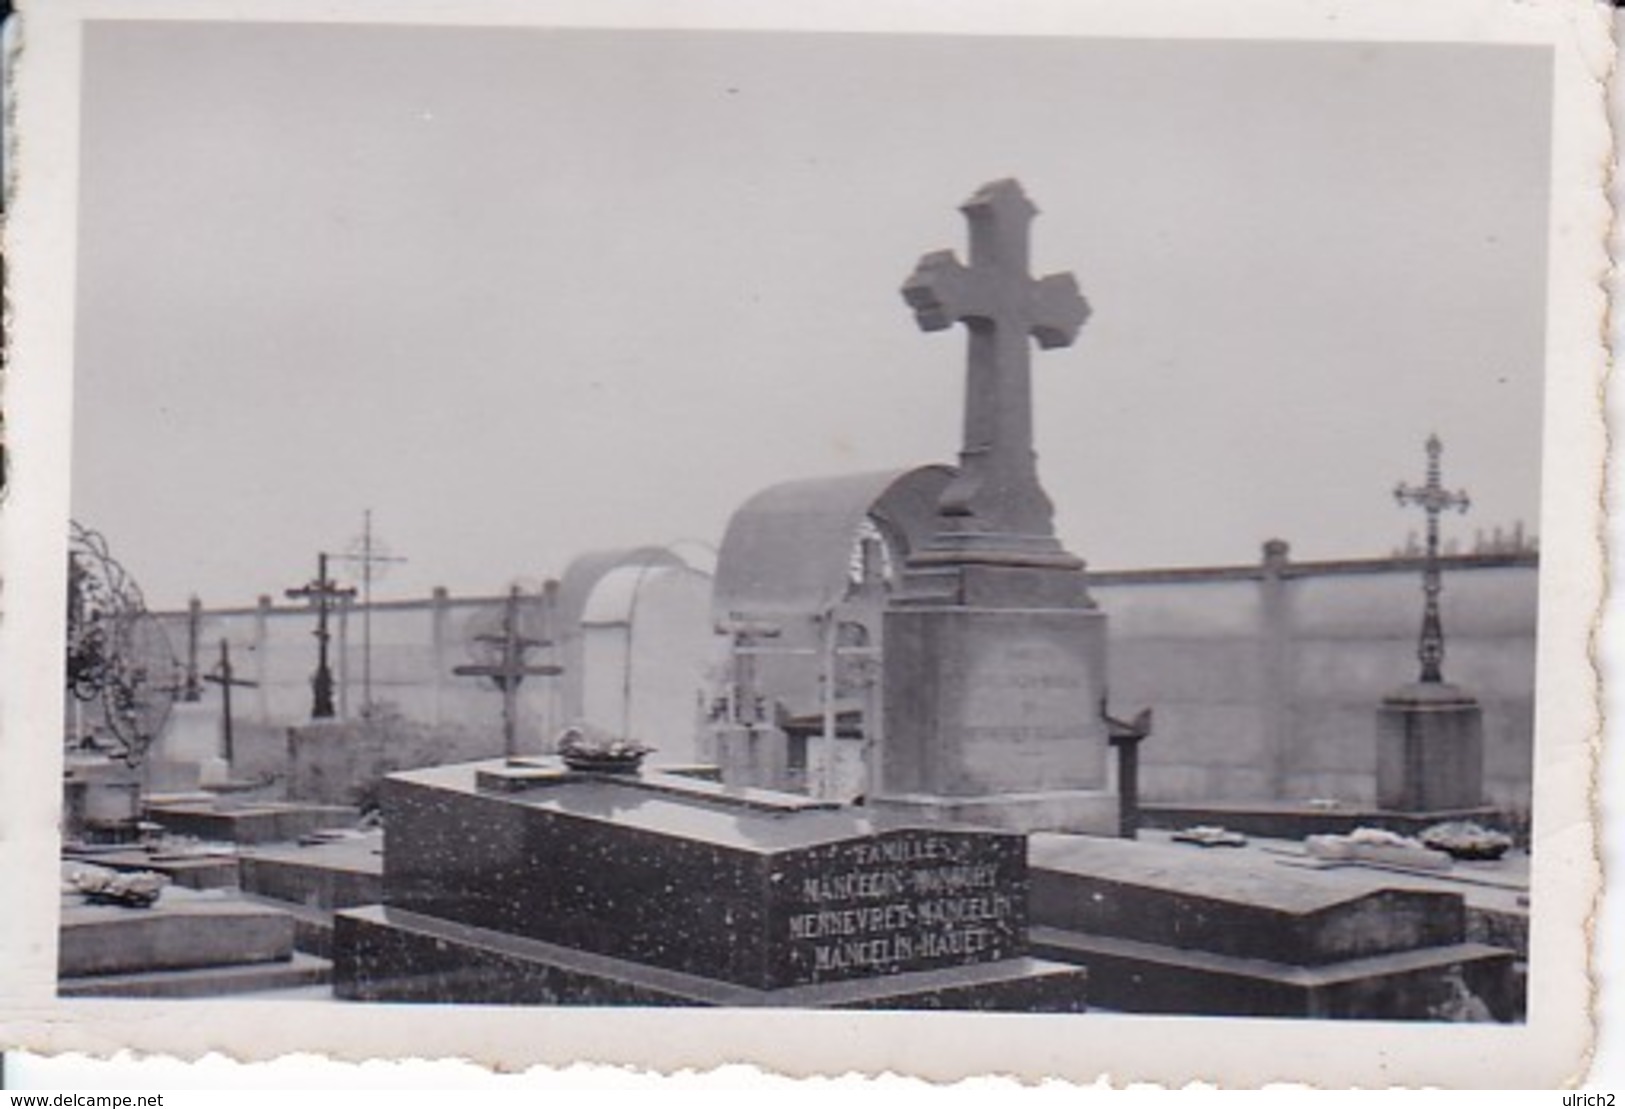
{"type": "Point", "coordinates": [1001, 304]}
{"type": "Point", "coordinates": [1433, 499]}
{"type": "Point", "coordinates": [506, 666]}
{"type": "Point", "coordinates": [225, 679]}
{"type": "Point", "coordinates": [323, 594]}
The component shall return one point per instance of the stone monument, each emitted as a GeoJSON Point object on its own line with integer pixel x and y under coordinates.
{"type": "Point", "coordinates": [995, 659]}
{"type": "Point", "coordinates": [524, 881]}
{"type": "Point", "coordinates": [1430, 734]}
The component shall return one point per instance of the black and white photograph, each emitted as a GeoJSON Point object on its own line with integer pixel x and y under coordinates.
{"type": "Point", "coordinates": [583, 518]}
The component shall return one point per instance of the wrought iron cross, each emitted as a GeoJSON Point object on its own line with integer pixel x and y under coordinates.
{"type": "Point", "coordinates": [323, 594]}
{"type": "Point", "coordinates": [1001, 305]}
{"type": "Point", "coordinates": [190, 691]}
{"type": "Point", "coordinates": [509, 667]}
{"type": "Point", "coordinates": [223, 678]}
{"type": "Point", "coordinates": [1433, 499]}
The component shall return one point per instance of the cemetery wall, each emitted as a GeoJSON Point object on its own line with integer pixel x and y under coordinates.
{"type": "Point", "coordinates": [1265, 681]}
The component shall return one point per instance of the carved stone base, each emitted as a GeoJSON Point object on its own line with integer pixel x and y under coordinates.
{"type": "Point", "coordinates": [1430, 749]}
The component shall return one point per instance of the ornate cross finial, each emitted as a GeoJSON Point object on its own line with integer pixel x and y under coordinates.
{"type": "Point", "coordinates": [1001, 304]}
{"type": "Point", "coordinates": [1433, 499]}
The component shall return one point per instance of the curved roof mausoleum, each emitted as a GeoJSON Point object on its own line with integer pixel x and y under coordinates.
{"type": "Point", "coordinates": [789, 552]}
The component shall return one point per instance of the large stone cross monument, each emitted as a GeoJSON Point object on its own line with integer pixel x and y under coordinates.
{"type": "Point", "coordinates": [995, 656]}
{"type": "Point", "coordinates": [996, 510]}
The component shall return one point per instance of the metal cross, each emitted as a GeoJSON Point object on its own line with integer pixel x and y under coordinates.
{"type": "Point", "coordinates": [223, 678]}
{"type": "Point", "coordinates": [1001, 305]}
{"type": "Point", "coordinates": [510, 667]}
{"type": "Point", "coordinates": [323, 594]}
{"type": "Point", "coordinates": [1433, 499]}
{"type": "Point", "coordinates": [190, 691]}
{"type": "Point", "coordinates": [369, 552]}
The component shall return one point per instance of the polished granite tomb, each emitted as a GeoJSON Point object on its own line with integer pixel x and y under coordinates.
{"type": "Point", "coordinates": [528, 883]}
{"type": "Point", "coordinates": [1169, 928]}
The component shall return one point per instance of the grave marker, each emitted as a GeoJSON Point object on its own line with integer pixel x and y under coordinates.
{"type": "Point", "coordinates": [508, 667]}
{"type": "Point", "coordinates": [322, 593]}
{"type": "Point", "coordinates": [995, 657]}
{"type": "Point", "coordinates": [1430, 734]}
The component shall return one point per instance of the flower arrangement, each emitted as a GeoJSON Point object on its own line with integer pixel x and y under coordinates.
{"type": "Point", "coordinates": [1463, 839]}
{"type": "Point", "coordinates": [131, 889]}
{"type": "Point", "coordinates": [584, 747]}
{"type": "Point", "coordinates": [1210, 835]}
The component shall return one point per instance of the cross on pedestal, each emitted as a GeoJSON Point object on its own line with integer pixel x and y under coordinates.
{"type": "Point", "coordinates": [997, 490]}
{"type": "Point", "coordinates": [223, 678]}
{"type": "Point", "coordinates": [323, 594]}
{"type": "Point", "coordinates": [1433, 499]}
{"type": "Point", "coordinates": [509, 667]}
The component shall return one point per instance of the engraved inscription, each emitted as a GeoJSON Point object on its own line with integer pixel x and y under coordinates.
{"type": "Point", "coordinates": [908, 901]}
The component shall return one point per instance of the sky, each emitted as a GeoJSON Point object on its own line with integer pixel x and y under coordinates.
{"type": "Point", "coordinates": [528, 293]}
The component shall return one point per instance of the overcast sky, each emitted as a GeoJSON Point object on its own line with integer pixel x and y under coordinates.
{"type": "Point", "coordinates": [530, 293]}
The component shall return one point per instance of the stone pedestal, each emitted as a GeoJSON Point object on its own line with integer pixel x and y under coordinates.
{"type": "Point", "coordinates": [190, 739]}
{"type": "Point", "coordinates": [994, 681]}
{"type": "Point", "coordinates": [1430, 750]}
{"type": "Point", "coordinates": [101, 799]}
{"type": "Point", "coordinates": [749, 755]}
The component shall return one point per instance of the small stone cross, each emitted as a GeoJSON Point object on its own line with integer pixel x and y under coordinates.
{"type": "Point", "coordinates": [1433, 499]}
{"type": "Point", "coordinates": [1001, 305]}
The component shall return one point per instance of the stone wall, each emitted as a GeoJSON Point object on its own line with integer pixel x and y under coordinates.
{"type": "Point", "coordinates": [1265, 681]}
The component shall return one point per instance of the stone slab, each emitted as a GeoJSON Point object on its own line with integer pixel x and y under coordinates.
{"type": "Point", "coordinates": [1286, 820]}
{"type": "Point", "coordinates": [1095, 813]}
{"type": "Point", "coordinates": [694, 878]}
{"type": "Point", "coordinates": [388, 954]}
{"type": "Point", "coordinates": [327, 876]}
{"type": "Point", "coordinates": [299, 972]}
{"type": "Point", "coordinates": [1459, 982]}
{"type": "Point", "coordinates": [179, 932]}
{"type": "Point", "coordinates": [249, 821]}
{"type": "Point", "coordinates": [1231, 905]}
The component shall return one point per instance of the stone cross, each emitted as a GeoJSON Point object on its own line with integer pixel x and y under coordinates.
{"type": "Point", "coordinates": [509, 667]}
{"type": "Point", "coordinates": [223, 678]}
{"type": "Point", "coordinates": [323, 594]}
{"type": "Point", "coordinates": [1433, 499]}
{"type": "Point", "coordinates": [1001, 305]}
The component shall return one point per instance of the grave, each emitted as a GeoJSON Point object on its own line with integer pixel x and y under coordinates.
{"type": "Point", "coordinates": [524, 882]}
{"type": "Point", "coordinates": [190, 943]}
{"type": "Point", "coordinates": [1165, 928]}
{"type": "Point", "coordinates": [226, 820]}
{"type": "Point", "coordinates": [995, 659]}
{"type": "Point", "coordinates": [312, 880]}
